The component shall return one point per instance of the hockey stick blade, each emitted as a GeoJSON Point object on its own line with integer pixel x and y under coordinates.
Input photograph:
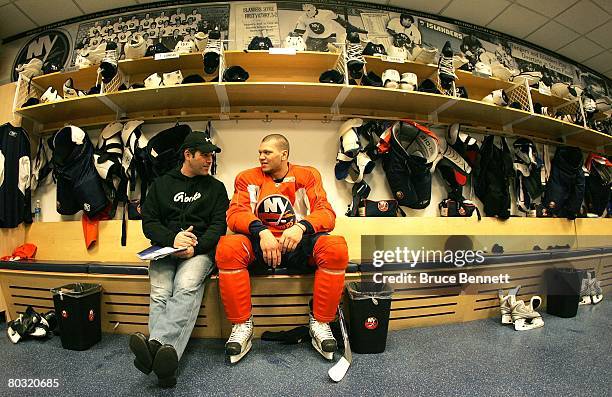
{"type": "Point", "coordinates": [338, 371]}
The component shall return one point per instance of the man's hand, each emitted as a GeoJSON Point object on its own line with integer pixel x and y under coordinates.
{"type": "Point", "coordinates": [291, 238]}
{"type": "Point", "coordinates": [188, 253]}
{"type": "Point", "coordinates": [185, 238]}
{"type": "Point", "coordinates": [270, 248]}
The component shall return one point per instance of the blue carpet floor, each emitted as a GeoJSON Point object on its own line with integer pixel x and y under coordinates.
{"type": "Point", "coordinates": [481, 358]}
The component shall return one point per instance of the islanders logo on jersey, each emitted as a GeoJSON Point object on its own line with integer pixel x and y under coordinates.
{"type": "Point", "coordinates": [276, 211]}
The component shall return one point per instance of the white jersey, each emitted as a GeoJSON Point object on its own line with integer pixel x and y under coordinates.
{"type": "Point", "coordinates": [118, 27]}
{"type": "Point", "coordinates": [193, 19]}
{"type": "Point", "coordinates": [412, 31]}
{"type": "Point", "coordinates": [160, 20]}
{"type": "Point", "coordinates": [132, 24]}
{"type": "Point", "coordinates": [146, 23]}
{"type": "Point", "coordinates": [167, 31]}
{"type": "Point", "coordinates": [106, 30]}
{"type": "Point", "coordinates": [124, 37]}
{"type": "Point", "coordinates": [94, 30]}
{"type": "Point", "coordinates": [321, 26]}
{"type": "Point", "coordinates": [177, 19]}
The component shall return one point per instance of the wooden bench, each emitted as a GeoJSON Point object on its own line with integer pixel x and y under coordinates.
{"type": "Point", "coordinates": [281, 301]}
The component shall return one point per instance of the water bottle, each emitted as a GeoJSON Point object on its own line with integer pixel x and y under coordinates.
{"type": "Point", "coordinates": [37, 212]}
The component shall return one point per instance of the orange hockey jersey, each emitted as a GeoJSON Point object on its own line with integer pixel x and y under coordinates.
{"type": "Point", "coordinates": [300, 196]}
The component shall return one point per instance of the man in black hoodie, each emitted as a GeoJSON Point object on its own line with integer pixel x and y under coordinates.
{"type": "Point", "coordinates": [184, 208]}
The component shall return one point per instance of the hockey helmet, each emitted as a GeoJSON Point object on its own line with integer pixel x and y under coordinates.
{"type": "Point", "coordinates": [157, 48]}
{"type": "Point", "coordinates": [193, 78]}
{"type": "Point", "coordinates": [371, 79]}
{"type": "Point", "coordinates": [374, 49]}
{"type": "Point", "coordinates": [331, 76]}
{"type": "Point", "coordinates": [235, 74]}
{"type": "Point", "coordinates": [136, 48]}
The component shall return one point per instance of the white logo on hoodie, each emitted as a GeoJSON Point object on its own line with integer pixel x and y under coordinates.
{"type": "Point", "coordinates": [180, 196]}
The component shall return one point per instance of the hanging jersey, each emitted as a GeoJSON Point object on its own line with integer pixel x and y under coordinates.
{"type": "Point", "coordinates": [280, 205]}
{"type": "Point", "coordinates": [15, 194]}
{"type": "Point", "coordinates": [78, 185]}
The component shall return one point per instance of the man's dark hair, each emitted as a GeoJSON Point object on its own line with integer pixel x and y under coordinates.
{"type": "Point", "coordinates": [279, 139]}
{"type": "Point", "coordinates": [407, 16]}
{"type": "Point", "coordinates": [191, 150]}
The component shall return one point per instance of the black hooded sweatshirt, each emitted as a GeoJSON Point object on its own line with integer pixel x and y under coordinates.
{"type": "Point", "coordinates": [175, 202]}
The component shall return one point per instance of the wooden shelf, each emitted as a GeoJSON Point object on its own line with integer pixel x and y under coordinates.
{"type": "Point", "coordinates": [385, 102]}
{"type": "Point", "coordinates": [273, 98]}
{"type": "Point", "coordinates": [79, 111]}
{"type": "Point", "coordinates": [479, 87]}
{"type": "Point", "coordinates": [149, 65]}
{"type": "Point", "coordinates": [177, 100]}
{"type": "Point", "coordinates": [262, 66]}
{"type": "Point", "coordinates": [83, 79]}
{"type": "Point", "coordinates": [548, 126]}
{"type": "Point", "coordinates": [378, 66]}
{"type": "Point", "coordinates": [286, 86]}
{"type": "Point", "coordinates": [550, 101]}
{"type": "Point", "coordinates": [474, 112]}
{"type": "Point", "coordinates": [590, 138]}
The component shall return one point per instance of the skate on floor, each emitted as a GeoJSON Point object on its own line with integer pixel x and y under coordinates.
{"type": "Point", "coordinates": [590, 291]}
{"type": "Point", "coordinates": [322, 338]}
{"type": "Point", "coordinates": [240, 341]}
{"type": "Point", "coordinates": [523, 316]}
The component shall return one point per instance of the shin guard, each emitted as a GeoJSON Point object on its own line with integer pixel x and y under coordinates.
{"type": "Point", "coordinates": [331, 256]}
{"type": "Point", "coordinates": [235, 288]}
{"type": "Point", "coordinates": [234, 254]}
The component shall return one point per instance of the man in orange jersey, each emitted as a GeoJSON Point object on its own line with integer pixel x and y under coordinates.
{"type": "Point", "coordinates": [280, 215]}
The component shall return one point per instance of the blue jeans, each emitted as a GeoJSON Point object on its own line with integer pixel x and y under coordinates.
{"type": "Point", "coordinates": [177, 288]}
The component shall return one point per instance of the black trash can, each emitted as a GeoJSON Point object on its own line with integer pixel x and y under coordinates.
{"type": "Point", "coordinates": [77, 307]}
{"type": "Point", "coordinates": [369, 308]}
{"type": "Point", "coordinates": [563, 291]}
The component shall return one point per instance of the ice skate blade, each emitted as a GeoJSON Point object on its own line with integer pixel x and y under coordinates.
{"type": "Point", "coordinates": [586, 300]}
{"type": "Point", "coordinates": [337, 372]}
{"type": "Point", "coordinates": [506, 319]}
{"type": "Point", "coordinates": [596, 298]}
{"type": "Point", "coordinates": [328, 355]}
{"type": "Point", "coordinates": [522, 325]}
{"type": "Point", "coordinates": [237, 357]}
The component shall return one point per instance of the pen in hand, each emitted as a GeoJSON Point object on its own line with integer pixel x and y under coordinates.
{"type": "Point", "coordinates": [188, 233]}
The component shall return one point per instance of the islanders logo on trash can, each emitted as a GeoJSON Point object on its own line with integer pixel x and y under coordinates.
{"type": "Point", "coordinates": [371, 323]}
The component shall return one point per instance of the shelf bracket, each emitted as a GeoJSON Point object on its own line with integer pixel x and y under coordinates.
{"type": "Point", "coordinates": [508, 127]}
{"type": "Point", "coordinates": [112, 105]}
{"type": "Point", "coordinates": [342, 95]}
{"type": "Point", "coordinates": [224, 104]}
{"type": "Point", "coordinates": [433, 116]}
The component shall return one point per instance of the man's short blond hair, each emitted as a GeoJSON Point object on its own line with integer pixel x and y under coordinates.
{"type": "Point", "coordinates": [279, 140]}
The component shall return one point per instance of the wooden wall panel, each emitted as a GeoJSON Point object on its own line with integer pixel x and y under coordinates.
{"type": "Point", "coordinates": [605, 275]}
{"type": "Point", "coordinates": [11, 239]}
{"type": "Point", "coordinates": [281, 302]}
{"type": "Point", "coordinates": [63, 241]}
{"type": "Point", "coordinates": [593, 232]}
{"type": "Point", "coordinates": [7, 93]}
